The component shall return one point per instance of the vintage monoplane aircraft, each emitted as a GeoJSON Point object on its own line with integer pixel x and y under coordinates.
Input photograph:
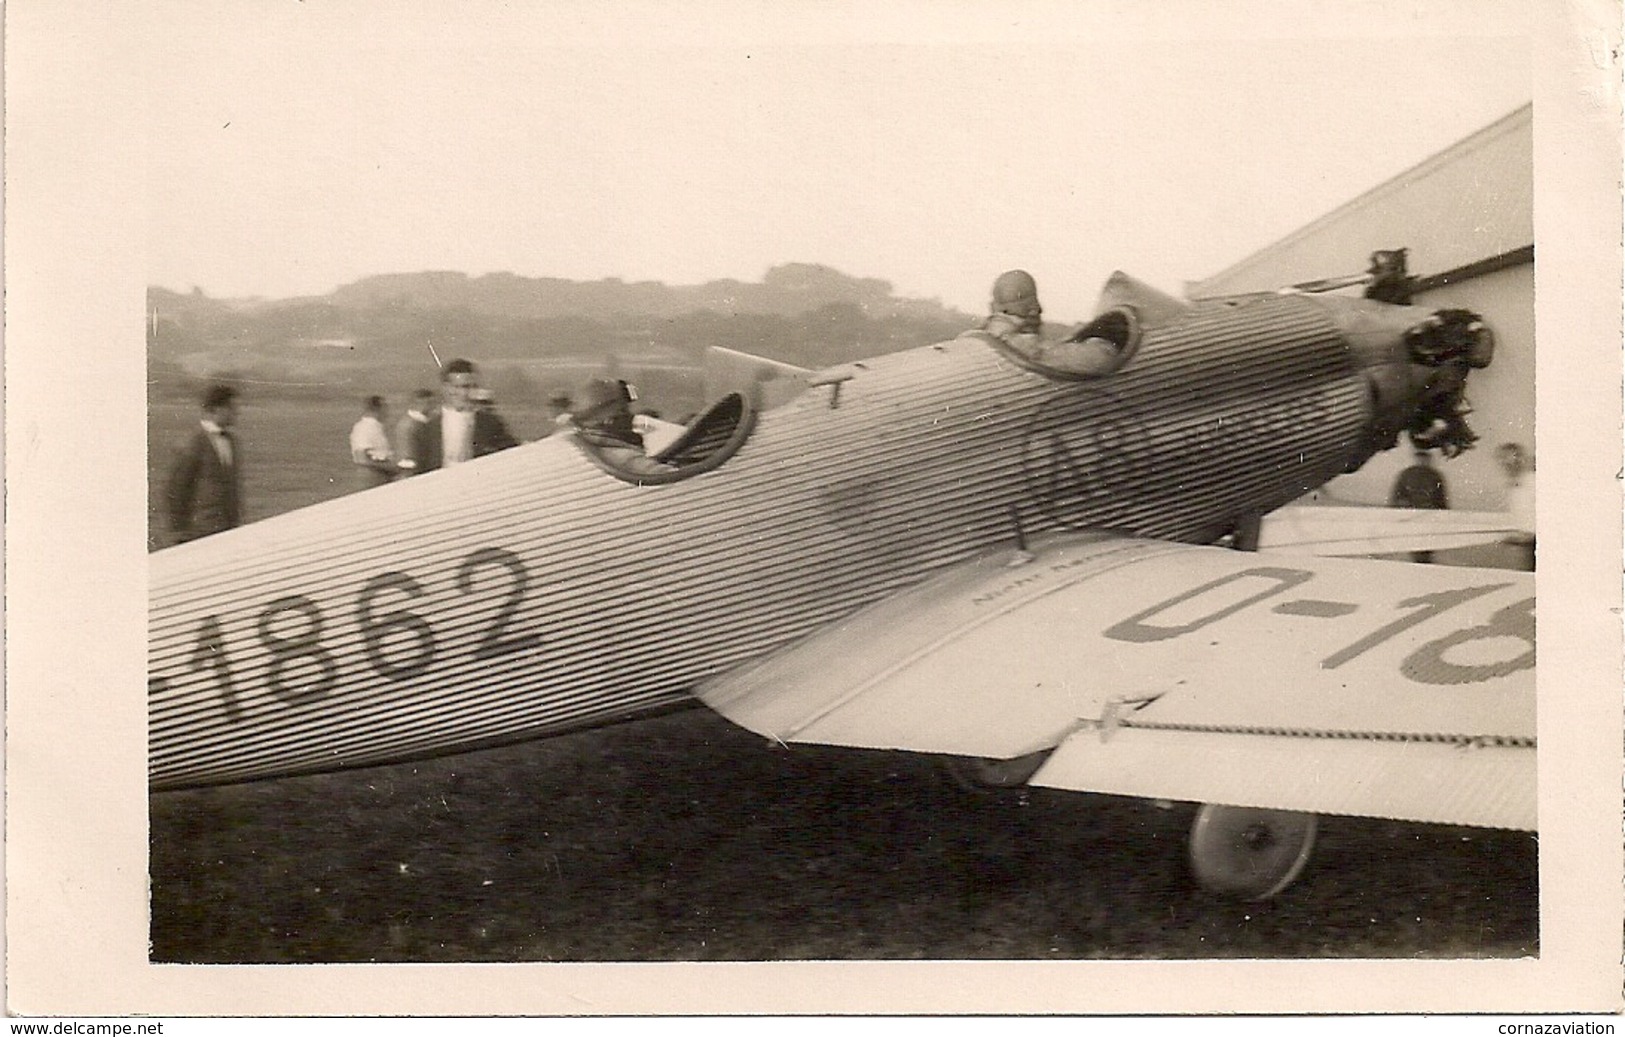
{"type": "Point", "coordinates": [956, 549]}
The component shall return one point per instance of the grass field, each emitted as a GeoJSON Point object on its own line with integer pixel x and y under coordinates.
{"type": "Point", "coordinates": [685, 838]}
{"type": "Point", "coordinates": [295, 450]}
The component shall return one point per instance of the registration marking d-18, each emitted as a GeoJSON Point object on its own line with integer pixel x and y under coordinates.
{"type": "Point", "coordinates": [1430, 663]}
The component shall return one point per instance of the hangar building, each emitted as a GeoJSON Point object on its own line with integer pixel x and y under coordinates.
{"type": "Point", "coordinates": [1465, 217]}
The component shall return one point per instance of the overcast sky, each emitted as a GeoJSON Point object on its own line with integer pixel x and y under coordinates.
{"type": "Point", "coordinates": [299, 146]}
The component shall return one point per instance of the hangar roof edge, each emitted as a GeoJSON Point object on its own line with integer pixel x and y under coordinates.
{"type": "Point", "coordinates": [1519, 119]}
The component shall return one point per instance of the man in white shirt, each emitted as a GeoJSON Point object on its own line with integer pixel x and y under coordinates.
{"type": "Point", "coordinates": [464, 431]}
{"type": "Point", "coordinates": [457, 416]}
{"type": "Point", "coordinates": [369, 446]}
{"type": "Point", "coordinates": [1519, 465]}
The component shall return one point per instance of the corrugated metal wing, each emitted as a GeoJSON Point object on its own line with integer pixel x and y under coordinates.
{"type": "Point", "coordinates": [1419, 672]}
{"type": "Point", "coordinates": [1491, 786]}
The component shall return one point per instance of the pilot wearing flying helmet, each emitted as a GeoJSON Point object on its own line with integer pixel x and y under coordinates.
{"type": "Point", "coordinates": [1016, 318]}
{"type": "Point", "coordinates": [1014, 309]}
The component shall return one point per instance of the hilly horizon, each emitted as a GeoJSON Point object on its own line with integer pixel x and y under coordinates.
{"type": "Point", "coordinates": [384, 332]}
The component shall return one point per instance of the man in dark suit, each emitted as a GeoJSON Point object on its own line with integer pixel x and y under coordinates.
{"type": "Point", "coordinates": [412, 432]}
{"type": "Point", "coordinates": [463, 430]}
{"type": "Point", "coordinates": [1420, 486]}
{"type": "Point", "coordinates": [203, 494]}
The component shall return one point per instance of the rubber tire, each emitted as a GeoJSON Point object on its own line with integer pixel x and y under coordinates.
{"type": "Point", "coordinates": [1249, 852]}
{"type": "Point", "coordinates": [977, 774]}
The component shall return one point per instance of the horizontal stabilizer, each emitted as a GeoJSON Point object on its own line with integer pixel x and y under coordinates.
{"type": "Point", "coordinates": [766, 383]}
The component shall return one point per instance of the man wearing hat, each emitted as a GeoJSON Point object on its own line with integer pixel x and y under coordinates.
{"type": "Point", "coordinates": [203, 493]}
{"type": "Point", "coordinates": [604, 422]}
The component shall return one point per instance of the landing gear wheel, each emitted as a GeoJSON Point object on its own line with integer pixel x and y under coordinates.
{"type": "Point", "coordinates": [1248, 852]}
{"type": "Point", "coordinates": [978, 774]}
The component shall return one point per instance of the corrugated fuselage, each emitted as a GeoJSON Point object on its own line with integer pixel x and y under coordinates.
{"type": "Point", "coordinates": [531, 592]}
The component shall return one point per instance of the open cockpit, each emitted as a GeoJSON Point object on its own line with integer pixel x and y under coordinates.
{"type": "Point", "coordinates": [1097, 349]}
{"type": "Point", "coordinates": [741, 386]}
{"type": "Point", "coordinates": [704, 444]}
{"type": "Point", "coordinates": [1094, 350]}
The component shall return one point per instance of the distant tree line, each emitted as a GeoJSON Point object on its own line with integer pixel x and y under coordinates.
{"type": "Point", "coordinates": [529, 334]}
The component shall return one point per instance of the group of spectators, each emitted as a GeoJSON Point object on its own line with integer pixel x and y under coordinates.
{"type": "Point", "coordinates": [203, 491]}
{"type": "Point", "coordinates": [462, 425]}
